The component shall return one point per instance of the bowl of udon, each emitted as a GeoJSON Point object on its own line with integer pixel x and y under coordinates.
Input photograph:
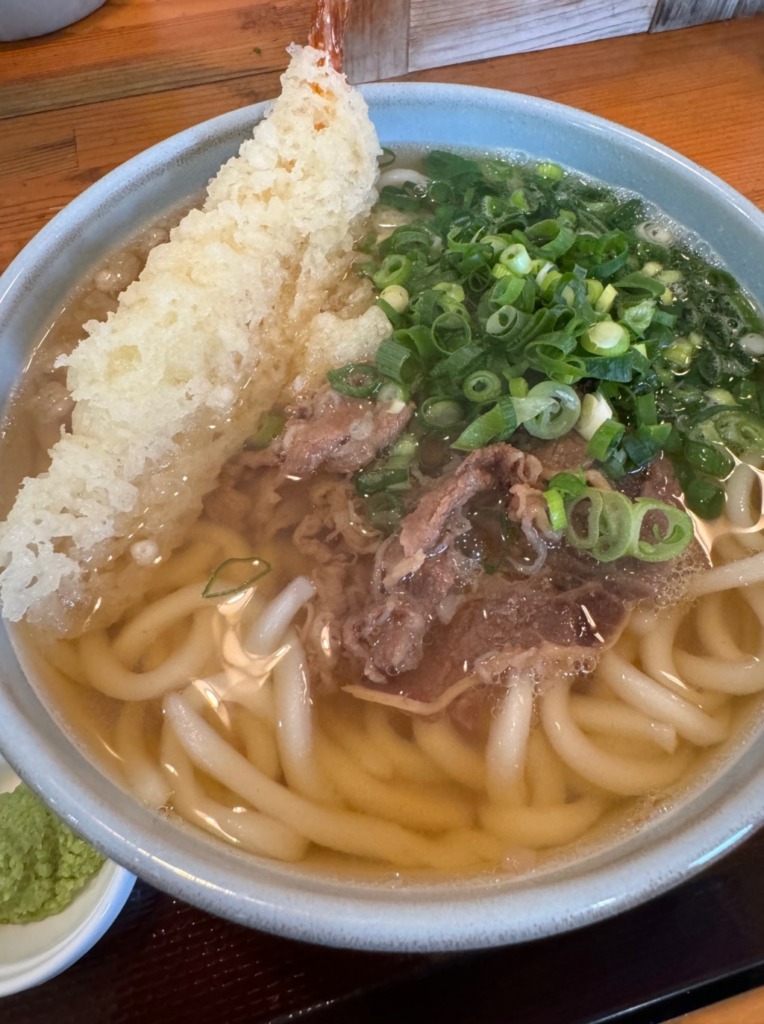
{"type": "Point", "coordinates": [387, 571]}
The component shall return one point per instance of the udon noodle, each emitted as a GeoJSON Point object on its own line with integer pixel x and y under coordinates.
{"type": "Point", "coordinates": [222, 700]}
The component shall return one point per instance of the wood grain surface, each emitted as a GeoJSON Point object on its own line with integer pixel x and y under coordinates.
{"type": "Point", "coordinates": [76, 103]}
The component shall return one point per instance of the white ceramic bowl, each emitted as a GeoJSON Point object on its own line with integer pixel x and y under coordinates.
{"type": "Point", "coordinates": [287, 899]}
{"type": "Point", "coordinates": [33, 953]}
{"type": "Point", "coordinates": [23, 19]}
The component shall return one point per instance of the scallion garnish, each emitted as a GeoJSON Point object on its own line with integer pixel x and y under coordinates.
{"type": "Point", "coordinates": [259, 567]}
{"type": "Point", "coordinates": [560, 415]}
{"type": "Point", "coordinates": [482, 386]}
{"type": "Point", "coordinates": [395, 269]}
{"type": "Point", "coordinates": [604, 439]}
{"type": "Point", "coordinates": [441, 413]}
{"type": "Point", "coordinates": [555, 501]}
{"type": "Point", "coordinates": [358, 380]}
{"type": "Point", "coordinates": [523, 275]}
{"type": "Point", "coordinates": [609, 526]}
{"type": "Point", "coordinates": [396, 361]}
{"type": "Point", "coordinates": [268, 429]}
{"type": "Point", "coordinates": [496, 424]}
{"type": "Point", "coordinates": [606, 338]}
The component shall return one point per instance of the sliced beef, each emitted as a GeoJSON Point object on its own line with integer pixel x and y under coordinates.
{"type": "Point", "coordinates": [338, 434]}
{"type": "Point", "coordinates": [232, 503]}
{"type": "Point", "coordinates": [659, 481]}
{"type": "Point", "coordinates": [560, 454]}
{"type": "Point", "coordinates": [566, 605]}
{"type": "Point", "coordinates": [497, 466]}
{"type": "Point", "coordinates": [386, 633]}
{"type": "Point", "coordinates": [555, 623]}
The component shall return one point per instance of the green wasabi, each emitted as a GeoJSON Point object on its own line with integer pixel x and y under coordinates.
{"type": "Point", "coordinates": [43, 864]}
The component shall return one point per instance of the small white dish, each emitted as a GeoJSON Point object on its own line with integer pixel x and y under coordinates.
{"type": "Point", "coordinates": [33, 953]}
{"type": "Point", "coordinates": [24, 19]}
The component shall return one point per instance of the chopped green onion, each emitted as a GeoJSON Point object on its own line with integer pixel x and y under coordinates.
{"type": "Point", "coordinates": [395, 269]}
{"type": "Point", "coordinates": [498, 422]}
{"type": "Point", "coordinates": [639, 316]}
{"type": "Point", "coordinates": [395, 295]}
{"type": "Point", "coordinates": [396, 361]}
{"type": "Point", "coordinates": [515, 257]}
{"type": "Point", "coordinates": [260, 568]}
{"type": "Point", "coordinates": [501, 323]}
{"type": "Point", "coordinates": [709, 458]}
{"type": "Point", "coordinates": [704, 496]}
{"type": "Point", "coordinates": [594, 290]}
{"type": "Point", "coordinates": [518, 387]}
{"type": "Point", "coordinates": [604, 439]}
{"type": "Point", "coordinates": [482, 386]}
{"type": "Point", "coordinates": [607, 521]}
{"type": "Point", "coordinates": [645, 409]}
{"type": "Point", "coordinates": [551, 171]}
{"type": "Point", "coordinates": [519, 275]}
{"type": "Point", "coordinates": [506, 290]}
{"type": "Point", "coordinates": [393, 394]}
{"type": "Point", "coordinates": [358, 380]}
{"type": "Point", "coordinates": [651, 268]}
{"type": "Point", "coordinates": [681, 353]}
{"type": "Point", "coordinates": [396, 319]}
{"type": "Point", "coordinates": [519, 200]}
{"type": "Point", "coordinates": [527, 407]}
{"type": "Point", "coordinates": [606, 338]}
{"type": "Point", "coordinates": [552, 238]}
{"type": "Point", "coordinates": [441, 413]}
{"type": "Point", "coordinates": [385, 510]}
{"type": "Point", "coordinates": [381, 478]}
{"type": "Point", "coordinates": [391, 472]}
{"type": "Point", "coordinates": [606, 299]}
{"type": "Point", "coordinates": [562, 413]}
{"type": "Point", "coordinates": [668, 533]}
{"type": "Point", "coordinates": [453, 291]}
{"type": "Point", "coordinates": [740, 431]}
{"type": "Point", "coordinates": [643, 446]}
{"type": "Point", "coordinates": [571, 485]}
{"type": "Point", "coordinates": [595, 410]}
{"type": "Point", "coordinates": [610, 526]}
{"type": "Point", "coordinates": [451, 331]}
{"type": "Point", "coordinates": [418, 340]}
{"type": "Point", "coordinates": [669, 276]}
{"type": "Point", "coordinates": [720, 396]}
{"type": "Point", "coordinates": [454, 367]}
{"type": "Point", "coordinates": [558, 519]}
{"type": "Point", "coordinates": [268, 429]}
{"type": "Point", "coordinates": [638, 282]}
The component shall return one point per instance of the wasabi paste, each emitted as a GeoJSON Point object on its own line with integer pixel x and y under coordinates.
{"type": "Point", "coordinates": [43, 864]}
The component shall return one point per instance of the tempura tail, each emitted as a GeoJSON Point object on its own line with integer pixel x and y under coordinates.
{"type": "Point", "coordinates": [170, 386]}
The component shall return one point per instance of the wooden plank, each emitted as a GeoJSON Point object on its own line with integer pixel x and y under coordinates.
{"type": "Point", "coordinates": [747, 1008]}
{"type": "Point", "coordinates": [48, 158]}
{"type": "Point", "coordinates": [670, 14]}
{"type": "Point", "coordinates": [377, 40]}
{"type": "Point", "coordinates": [170, 44]}
{"type": "Point", "coordinates": [465, 30]}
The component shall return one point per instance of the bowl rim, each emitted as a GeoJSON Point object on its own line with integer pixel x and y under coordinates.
{"type": "Point", "coordinates": [412, 918]}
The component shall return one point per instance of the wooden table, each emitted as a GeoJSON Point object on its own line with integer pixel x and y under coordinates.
{"type": "Point", "coordinates": [78, 102]}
